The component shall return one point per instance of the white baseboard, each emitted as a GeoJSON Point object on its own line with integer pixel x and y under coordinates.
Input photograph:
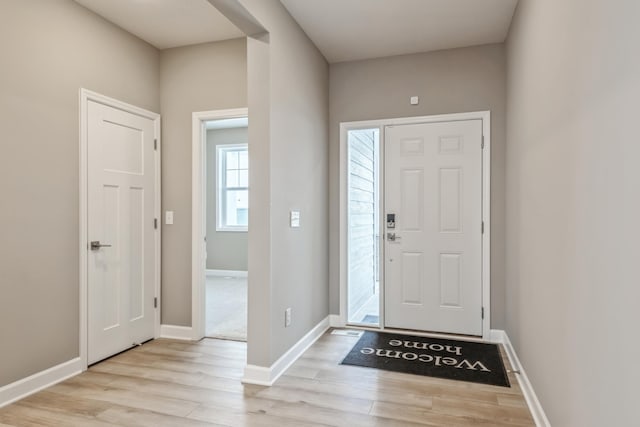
{"type": "Point", "coordinates": [497, 336]}
{"type": "Point", "coordinates": [267, 376]}
{"type": "Point", "coordinates": [336, 321]}
{"type": "Point", "coordinates": [39, 381]}
{"type": "Point", "coordinates": [227, 273]}
{"type": "Point", "coordinates": [176, 332]}
{"type": "Point", "coordinates": [540, 418]}
{"type": "Point", "coordinates": [259, 375]}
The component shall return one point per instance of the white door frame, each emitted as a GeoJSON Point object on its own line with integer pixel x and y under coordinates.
{"type": "Point", "coordinates": [198, 212]}
{"type": "Point", "coordinates": [485, 116]}
{"type": "Point", "coordinates": [85, 97]}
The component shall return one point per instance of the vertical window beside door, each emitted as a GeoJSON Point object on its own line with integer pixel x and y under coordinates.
{"type": "Point", "coordinates": [233, 187]}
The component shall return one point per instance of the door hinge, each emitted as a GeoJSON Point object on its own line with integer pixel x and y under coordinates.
{"type": "Point", "coordinates": [482, 143]}
{"type": "Point", "coordinates": [483, 312]}
{"type": "Point", "coordinates": [482, 228]}
{"type": "Point", "coordinates": [155, 143]}
{"type": "Point", "coordinates": [155, 223]}
{"type": "Point", "coordinates": [155, 302]}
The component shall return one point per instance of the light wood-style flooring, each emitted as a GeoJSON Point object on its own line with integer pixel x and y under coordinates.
{"type": "Point", "coordinates": [175, 383]}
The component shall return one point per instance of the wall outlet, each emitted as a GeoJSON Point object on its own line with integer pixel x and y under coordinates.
{"type": "Point", "coordinates": [287, 317]}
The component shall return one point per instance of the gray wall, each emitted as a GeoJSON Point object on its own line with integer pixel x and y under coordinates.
{"type": "Point", "coordinates": [226, 250]}
{"type": "Point", "coordinates": [49, 50]}
{"type": "Point", "coordinates": [573, 204]}
{"type": "Point", "coordinates": [203, 77]}
{"type": "Point", "coordinates": [288, 152]}
{"type": "Point", "coordinates": [448, 81]}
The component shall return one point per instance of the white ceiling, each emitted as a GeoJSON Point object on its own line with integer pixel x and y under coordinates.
{"type": "Point", "coordinates": [166, 23]}
{"type": "Point", "coordinates": [343, 30]}
{"type": "Point", "coordinates": [346, 30]}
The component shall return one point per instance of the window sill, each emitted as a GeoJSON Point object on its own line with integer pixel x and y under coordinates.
{"type": "Point", "coordinates": [232, 229]}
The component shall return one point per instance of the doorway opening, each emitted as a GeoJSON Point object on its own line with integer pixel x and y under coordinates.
{"type": "Point", "coordinates": [363, 226]}
{"type": "Point", "coordinates": [220, 224]}
{"type": "Point", "coordinates": [227, 208]}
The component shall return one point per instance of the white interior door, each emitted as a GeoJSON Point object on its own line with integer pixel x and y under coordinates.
{"type": "Point", "coordinates": [433, 256]}
{"type": "Point", "coordinates": [121, 255]}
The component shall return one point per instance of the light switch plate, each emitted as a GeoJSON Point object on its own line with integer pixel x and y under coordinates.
{"type": "Point", "coordinates": [414, 100]}
{"type": "Point", "coordinates": [294, 219]}
{"type": "Point", "coordinates": [287, 317]}
{"type": "Point", "coordinates": [168, 217]}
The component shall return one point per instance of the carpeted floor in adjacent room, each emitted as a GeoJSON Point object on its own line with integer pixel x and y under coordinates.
{"type": "Point", "coordinates": [226, 307]}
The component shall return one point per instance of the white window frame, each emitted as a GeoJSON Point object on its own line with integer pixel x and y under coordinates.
{"type": "Point", "coordinates": [221, 187]}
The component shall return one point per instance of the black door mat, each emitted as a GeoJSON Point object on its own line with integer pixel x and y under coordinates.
{"type": "Point", "coordinates": [450, 359]}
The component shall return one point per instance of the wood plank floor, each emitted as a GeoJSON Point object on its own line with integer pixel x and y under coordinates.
{"type": "Point", "coordinates": [175, 383]}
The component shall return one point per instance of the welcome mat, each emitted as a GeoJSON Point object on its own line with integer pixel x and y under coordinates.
{"type": "Point", "coordinates": [451, 359]}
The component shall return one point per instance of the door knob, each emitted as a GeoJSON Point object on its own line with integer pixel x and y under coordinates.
{"type": "Point", "coordinates": [95, 245]}
{"type": "Point", "coordinates": [392, 237]}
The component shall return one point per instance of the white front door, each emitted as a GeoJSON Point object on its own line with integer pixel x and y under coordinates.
{"type": "Point", "coordinates": [433, 256]}
{"type": "Point", "coordinates": [121, 251]}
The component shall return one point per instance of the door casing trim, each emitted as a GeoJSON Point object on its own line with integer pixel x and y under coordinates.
{"type": "Point", "coordinates": [485, 117]}
{"type": "Point", "coordinates": [86, 96]}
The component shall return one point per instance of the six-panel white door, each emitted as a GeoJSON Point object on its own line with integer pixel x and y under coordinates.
{"type": "Point", "coordinates": [121, 196]}
{"type": "Point", "coordinates": [433, 268]}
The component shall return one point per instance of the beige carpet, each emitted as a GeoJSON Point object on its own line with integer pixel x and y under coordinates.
{"type": "Point", "coordinates": [226, 308]}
